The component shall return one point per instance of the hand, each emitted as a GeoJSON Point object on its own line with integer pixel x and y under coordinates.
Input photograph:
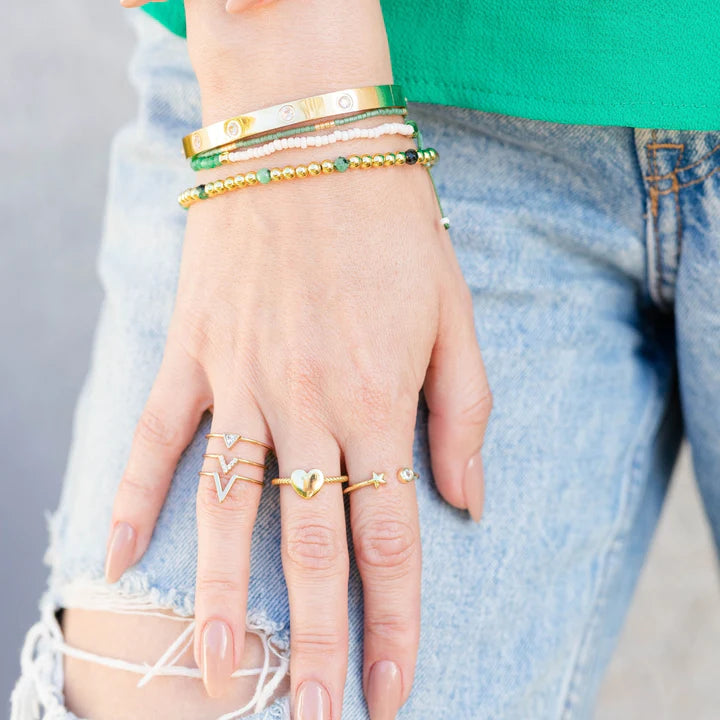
{"type": "Point", "coordinates": [308, 315]}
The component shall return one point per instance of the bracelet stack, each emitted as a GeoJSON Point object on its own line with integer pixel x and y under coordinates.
{"type": "Point", "coordinates": [261, 133]}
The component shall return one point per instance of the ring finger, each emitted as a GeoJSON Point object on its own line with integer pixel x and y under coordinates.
{"type": "Point", "coordinates": [386, 539]}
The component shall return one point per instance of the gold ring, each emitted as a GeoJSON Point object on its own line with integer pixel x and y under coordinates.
{"type": "Point", "coordinates": [376, 480]}
{"type": "Point", "coordinates": [228, 466]}
{"type": "Point", "coordinates": [307, 483]}
{"type": "Point", "coordinates": [232, 438]}
{"type": "Point", "coordinates": [222, 492]}
{"type": "Point", "coordinates": [407, 475]}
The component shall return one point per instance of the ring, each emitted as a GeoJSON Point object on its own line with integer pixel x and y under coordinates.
{"type": "Point", "coordinates": [232, 438]}
{"type": "Point", "coordinates": [377, 480]}
{"type": "Point", "coordinates": [228, 466]}
{"type": "Point", "coordinates": [222, 492]}
{"type": "Point", "coordinates": [308, 483]}
{"type": "Point", "coordinates": [407, 475]}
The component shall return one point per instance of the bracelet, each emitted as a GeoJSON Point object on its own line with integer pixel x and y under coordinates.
{"type": "Point", "coordinates": [263, 176]}
{"type": "Point", "coordinates": [315, 141]}
{"type": "Point", "coordinates": [196, 161]}
{"type": "Point", "coordinates": [289, 113]}
{"type": "Point", "coordinates": [303, 141]}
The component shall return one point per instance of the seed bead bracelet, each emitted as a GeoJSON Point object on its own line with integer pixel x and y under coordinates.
{"type": "Point", "coordinates": [263, 176]}
{"type": "Point", "coordinates": [315, 141]}
{"type": "Point", "coordinates": [210, 159]}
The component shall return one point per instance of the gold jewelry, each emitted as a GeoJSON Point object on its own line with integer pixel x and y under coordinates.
{"type": "Point", "coordinates": [407, 475]}
{"type": "Point", "coordinates": [228, 466]}
{"type": "Point", "coordinates": [264, 176]}
{"type": "Point", "coordinates": [231, 438]}
{"type": "Point", "coordinates": [377, 480]}
{"type": "Point", "coordinates": [222, 492]}
{"type": "Point", "coordinates": [276, 117]}
{"type": "Point", "coordinates": [308, 483]}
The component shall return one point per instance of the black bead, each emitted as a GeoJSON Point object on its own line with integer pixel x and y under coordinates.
{"type": "Point", "coordinates": [411, 156]}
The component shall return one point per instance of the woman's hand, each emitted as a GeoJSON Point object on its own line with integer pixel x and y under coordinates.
{"type": "Point", "coordinates": [309, 314]}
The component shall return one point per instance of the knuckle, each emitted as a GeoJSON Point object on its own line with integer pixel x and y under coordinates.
{"type": "Point", "coordinates": [153, 429]}
{"type": "Point", "coordinates": [389, 626]}
{"type": "Point", "coordinates": [303, 380]}
{"type": "Point", "coordinates": [318, 643]}
{"type": "Point", "coordinates": [314, 547]}
{"type": "Point", "coordinates": [215, 584]}
{"type": "Point", "coordinates": [477, 411]}
{"type": "Point", "coordinates": [139, 489]}
{"type": "Point", "coordinates": [193, 332]}
{"type": "Point", "coordinates": [386, 542]}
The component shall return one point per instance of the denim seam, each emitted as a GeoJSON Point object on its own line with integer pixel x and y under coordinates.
{"type": "Point", "coordinates": [660, 282]}
{"type": "Point", "coordinates": [645, 439]}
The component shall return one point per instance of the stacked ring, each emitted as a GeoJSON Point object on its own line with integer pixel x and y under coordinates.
{"type": "Point", "coordinates": [230, 439]}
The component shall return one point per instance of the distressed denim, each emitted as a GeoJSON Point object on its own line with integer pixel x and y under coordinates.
{"type": "Point", "coordinates": [593, 256]}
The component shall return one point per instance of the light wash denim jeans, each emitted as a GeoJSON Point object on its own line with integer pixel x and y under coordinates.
{"type": "Point", "coordinates": [593, 255]}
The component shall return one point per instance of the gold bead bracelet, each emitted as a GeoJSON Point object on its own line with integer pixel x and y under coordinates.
{"type": "Point", "coordinates": [264, 176]}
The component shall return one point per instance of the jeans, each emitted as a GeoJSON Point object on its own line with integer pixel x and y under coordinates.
{"type": "Point", "coordinates": [593, 256]}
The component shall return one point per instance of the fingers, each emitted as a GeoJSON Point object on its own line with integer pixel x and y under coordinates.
{"type": "Point", "coordinates": [228, 496]}
{"type": "Point", "coordinates": [169, 420]}
{"type": "Point", "coordinates": [459, 400]}
{"type": "Point", "coordinates": [386, 539]}
{"type": "Point", "coordinates": [315, 561]}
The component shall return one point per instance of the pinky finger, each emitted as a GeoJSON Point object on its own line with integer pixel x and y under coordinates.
{"type": "Point", "coordinates": [169, 420]}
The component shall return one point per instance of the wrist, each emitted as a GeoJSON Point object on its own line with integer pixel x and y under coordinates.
{"type": "Point", "coordinates": [285, 50]}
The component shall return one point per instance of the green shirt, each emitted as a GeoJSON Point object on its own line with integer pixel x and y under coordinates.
{"type": "Point", "coordinates": [640, 63]}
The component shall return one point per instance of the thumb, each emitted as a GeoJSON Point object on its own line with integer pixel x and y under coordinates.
{"type": "Point", "coordinates": [459, 401]}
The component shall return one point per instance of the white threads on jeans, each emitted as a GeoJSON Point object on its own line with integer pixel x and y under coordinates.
{"type": "Point", "coordinates": [39, 691]}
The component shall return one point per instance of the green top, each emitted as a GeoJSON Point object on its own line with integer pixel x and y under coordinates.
{"type": "Point", "coordinates": [640, 63]}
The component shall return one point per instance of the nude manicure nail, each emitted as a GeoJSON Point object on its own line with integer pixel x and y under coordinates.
{"type": "Point", "coordinates": [217, 657]}
{"type": "Point", "coordinates": [384, 690]}
{"type": "Point", "coordinates": [473, 486]}
{"type": "Point", "coordinates": [313, 702]}
{"type": "Point", "coordinates": [120, 551]}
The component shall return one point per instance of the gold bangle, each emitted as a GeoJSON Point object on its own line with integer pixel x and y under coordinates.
{"type": "Point", "coordinates": [275, 117]}
{"type": "Point", "coordinates": [376, 480]}
{"type": "Point", "coordinates": [308, 483]}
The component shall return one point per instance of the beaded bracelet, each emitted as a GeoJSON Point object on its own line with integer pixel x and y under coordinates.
{"type": "Point", "coordinates": [263, 176]}
{"type": "Point", "coordinates": [209, 158]}
{"type": "Point", "coordinates": [315, 141]}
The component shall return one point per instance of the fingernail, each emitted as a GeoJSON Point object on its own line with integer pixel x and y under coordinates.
{"type": "Point", "coordinates": [473, 485]}
{"type": "Point", "coordinates": [120, 551]}
{"type": "Point", "coordinates": [312, 702]}
{"type": "Point", "coordinates": [384, 690]}
{"type": "Point", "coordinates": [217, 657]}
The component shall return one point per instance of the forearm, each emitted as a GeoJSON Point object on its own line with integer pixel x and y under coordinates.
{"type": "Point", "coordinates": [284, 50]}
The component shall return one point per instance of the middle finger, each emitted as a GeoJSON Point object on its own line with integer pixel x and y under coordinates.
{"type": "Point", "coordinates": [316, 566]}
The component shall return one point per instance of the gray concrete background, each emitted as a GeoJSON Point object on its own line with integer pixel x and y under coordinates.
{"type": "Point", "coordinates": [63, 93]}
